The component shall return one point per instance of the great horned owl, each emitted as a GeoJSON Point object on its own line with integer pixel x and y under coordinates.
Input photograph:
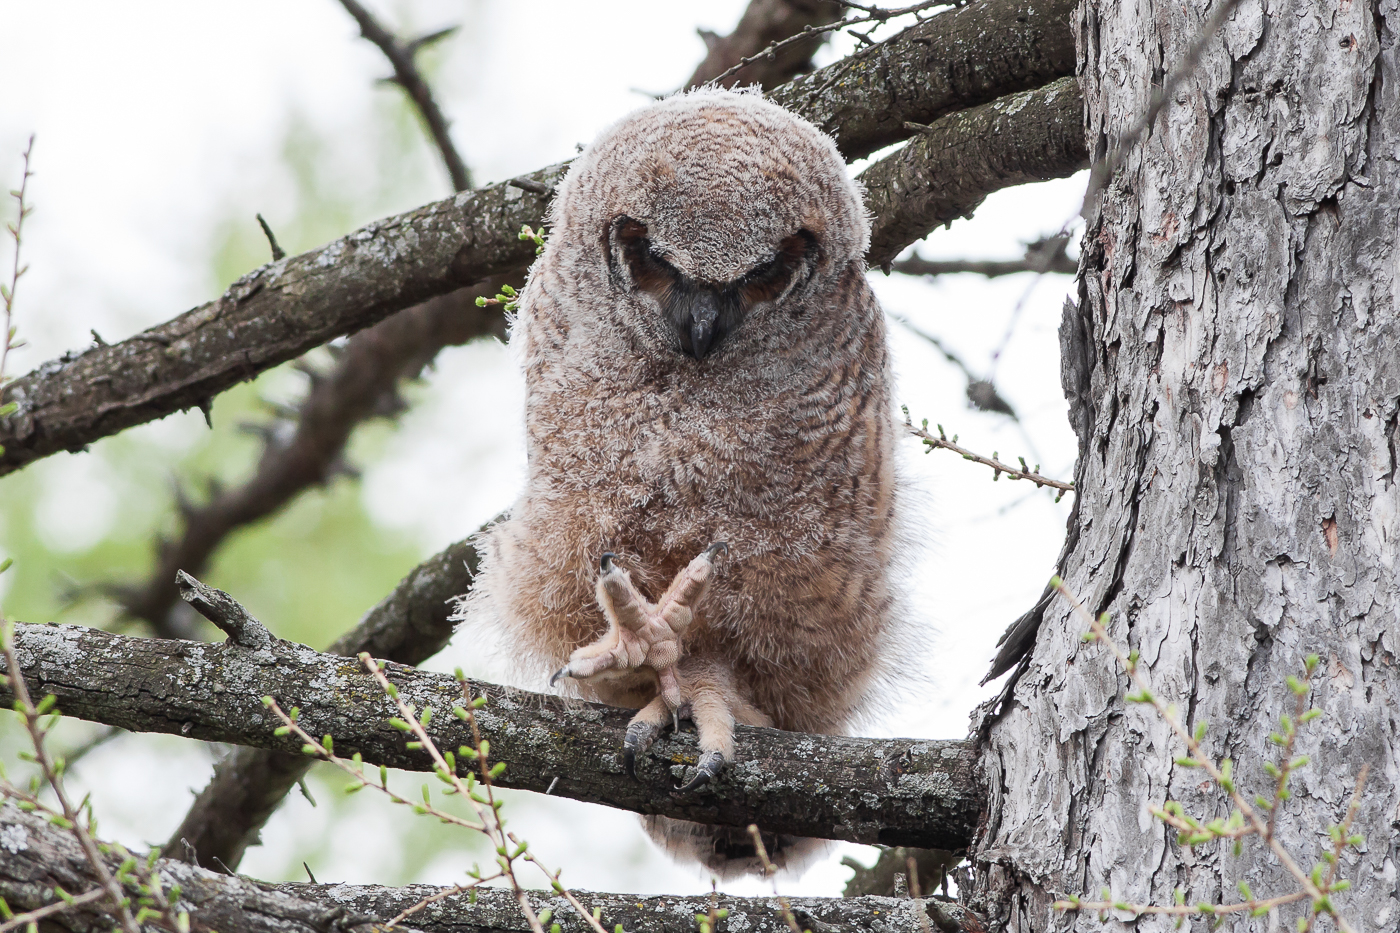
{"type": "Point", "coordinates": [708, 527]}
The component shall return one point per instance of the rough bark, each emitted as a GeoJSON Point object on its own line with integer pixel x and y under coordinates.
{"type": "Point", "coordinates": [1233, 369]}
{"type": "Point", "coordinates": [283, 309]}
{"type": "Point", "coordinates": [38, 857]}
{"type": "Point", "coordinates": [948, 169]}
{"type": "Point", "coordinates": [957, 59]}
{"type": "Point", "coordinates": [888, 791]}
{"type": "Point", "coordinates": [408, 626]}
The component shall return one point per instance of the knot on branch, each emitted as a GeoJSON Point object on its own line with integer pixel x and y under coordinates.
{"type": "Point", "coordinates": [224, 611]}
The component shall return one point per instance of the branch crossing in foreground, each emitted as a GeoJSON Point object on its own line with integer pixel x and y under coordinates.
{"type": "Point", "coordinates": [888, 791]}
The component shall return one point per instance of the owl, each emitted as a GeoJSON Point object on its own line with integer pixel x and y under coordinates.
{"type": "Point", "coordinates": [709, 526]}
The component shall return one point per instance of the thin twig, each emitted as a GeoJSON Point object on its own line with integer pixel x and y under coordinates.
{"type": "Point", "coordinates": [71, 816]}
{"type": "Point", "coordinates": [941, 442]}
{"type": "Point", "coordinates": [48, 910]}
{"type": "Point", "coordinates": [7, 292]}
{"type": "Point", "coordinates": [770, 870]}
{"type": "Point", "coordinates": [407, 76]}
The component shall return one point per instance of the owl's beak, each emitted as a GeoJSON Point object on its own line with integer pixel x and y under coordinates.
{"type": "Point", "coordinates": [704, 318]}
{"type": "Point", "coordinates": [696, 319]}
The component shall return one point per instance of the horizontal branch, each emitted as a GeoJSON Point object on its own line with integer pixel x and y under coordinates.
{"type": "Point", "coordinates": [888, 791]}
{"type": "Point", "coordinates": [283, 309]}
{"type": "Point", "coordinates": [40, 857]}
{"type": "Point", "coordinates": [951, 166]}
{"type": "Point", "coordinates": [969, 56]}
{"type": "Point", "coordinates": [409, 626]}
{"type": "Point", "coordinates": [271, 315]}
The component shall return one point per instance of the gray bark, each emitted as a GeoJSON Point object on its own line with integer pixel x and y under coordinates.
{"type": "Point", "coordinates": [1233, 369]}
{"type": "Point", "coordinates": [38, 856]}
{"type": "Point", "coordinates": [888, 791]}
{"type": "Point", "coordinates": [409, 626]}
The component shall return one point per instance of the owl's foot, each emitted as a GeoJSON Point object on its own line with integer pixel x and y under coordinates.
{"type": "Point", "coordinates": [639, 633]}
{"type": "Point", "coordinates": [712, 702]}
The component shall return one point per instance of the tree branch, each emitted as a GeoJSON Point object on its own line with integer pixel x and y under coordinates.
{"type": "Point", "coordinates": [39, 858]}
{"type": "Point", "coordinates": [1045, 255]}
{"type": "Point", "coordinates": [407, 76]}
{"type": "Point", "coordinates": [952, 165]}
{"type": "Point", "coordinates": [957, 59]}
{"type": "Point", "coordinates": [283, 309]}
{"type": "Point", "coordinates": [272, 314]}
{"type": "Point", "coordinates": [409, 626]}
{"type": "Point", "coordinates": [888, 791]}
{"type": "Point", "coordinates": [765, 22]}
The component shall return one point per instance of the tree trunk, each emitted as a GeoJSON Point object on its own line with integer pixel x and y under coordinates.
{"type": "Point", "coordinates": [1233, 370]}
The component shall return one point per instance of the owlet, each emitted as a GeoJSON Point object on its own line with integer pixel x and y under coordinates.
{"type": "Point", "coordinates": [707, 529]}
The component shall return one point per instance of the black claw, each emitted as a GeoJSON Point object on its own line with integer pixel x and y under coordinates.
{"type": "Point", "coordinates": [715, 548]}
{"type": "Point", "coordinates": [706, 769]}
{"type": "Point", "coordinates": [605, 562]}
{"type": "Point", "coordinates": [554, 679]}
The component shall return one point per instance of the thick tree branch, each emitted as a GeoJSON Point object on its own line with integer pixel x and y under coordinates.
{"type": "Point", "coordinates": [889, 791]}
{"type": "Point", "coordinates": [273, 314]}
{"type": "Point", "coordinates": [957, 59]}
{"type": "Point", "coordinates": [39, 857]}
{"type": "Point", "coordinates": [765, 22]}
{"type": "Point", "coordinates": [409, 626]}
{"type": "Point", "coordinates": [281, 310]}
{"type": "Point", "coordinates": [952, 165]}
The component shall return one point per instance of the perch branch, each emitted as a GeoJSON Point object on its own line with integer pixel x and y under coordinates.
{"type": "Point", "coordinates": [283, 309]}
{"type": "Point", "coordinates": [40, 857]}
{"type": "Point", "coordinates": [888, 791]}
{"type": "Point", "coordinates": [409, 626]}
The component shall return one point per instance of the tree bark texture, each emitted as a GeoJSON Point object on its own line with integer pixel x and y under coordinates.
{"type": "Point", "coordinates": [1233, 370]}
{"type": "Point", "coordinates": [279, 311]}
{"type": "Point", "coordinates": [888, 791]}
{"type": "Point", "coordinates": [35, 857]}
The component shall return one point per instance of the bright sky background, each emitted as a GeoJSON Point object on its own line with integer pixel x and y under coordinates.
{"type": "Point", "coordinates": [157, 122]}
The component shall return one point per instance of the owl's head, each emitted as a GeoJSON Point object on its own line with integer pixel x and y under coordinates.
{"type": "Point", "coordinates": [709, 214]}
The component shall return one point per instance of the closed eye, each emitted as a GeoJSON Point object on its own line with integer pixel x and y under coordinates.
{"type": "Point", "coordinates": [768, 281]}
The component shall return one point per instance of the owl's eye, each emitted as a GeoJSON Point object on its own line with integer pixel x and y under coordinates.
{"type": "Point", "coordinates": [766, 282]}
{"type": "Point", "coordinates": [628, 243]}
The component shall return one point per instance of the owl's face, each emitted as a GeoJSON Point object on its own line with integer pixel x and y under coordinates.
{"type": "Point", "coordinates": [713, 220]}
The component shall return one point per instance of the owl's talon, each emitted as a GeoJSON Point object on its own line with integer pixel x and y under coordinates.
{"type": "Point", "coordinates": [562, 672]}
{"type": "Point", "coordinates": [605, 562]}
{"type": "Point", "coordinates": [640, 735]}
{"type": "Point", "coordinates": [715, 548]}
{"type": "Point", "coordinates": [706, 770]}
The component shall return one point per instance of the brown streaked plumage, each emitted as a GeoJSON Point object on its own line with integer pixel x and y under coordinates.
{"type": "Point", "coordinates": [705, 363]}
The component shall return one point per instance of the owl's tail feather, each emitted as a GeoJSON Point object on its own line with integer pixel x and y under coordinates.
{"type": "Point", "coordinates": [728, 851]}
